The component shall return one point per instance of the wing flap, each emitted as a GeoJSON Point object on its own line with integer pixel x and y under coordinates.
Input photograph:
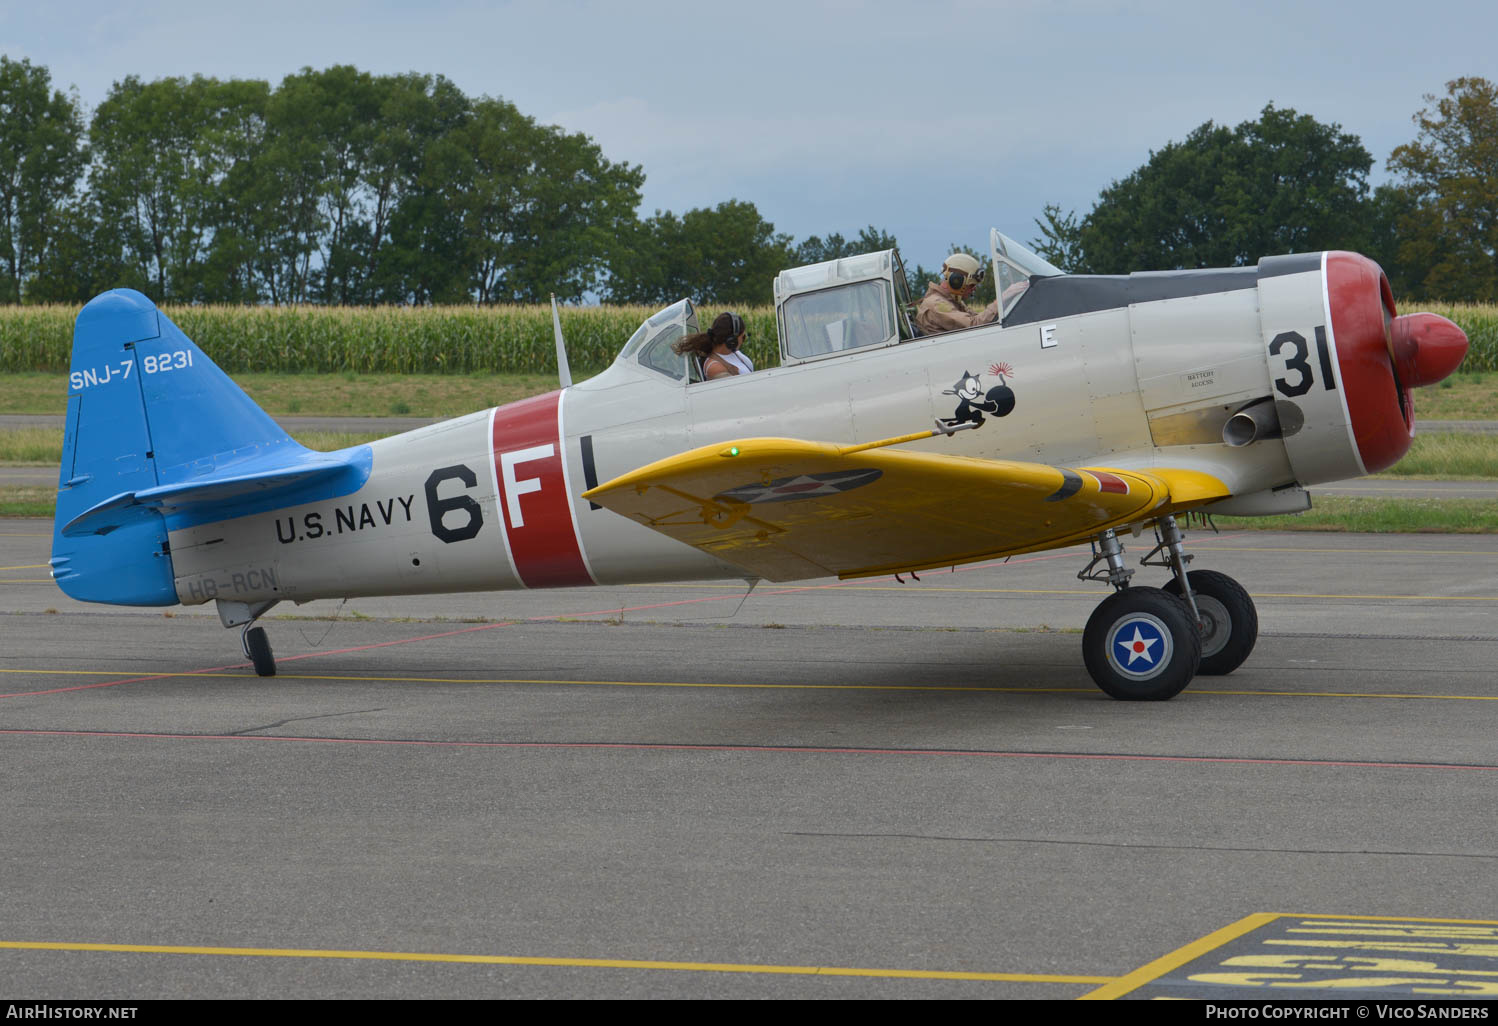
{"type": "Point", "coordinates": [786, 509]}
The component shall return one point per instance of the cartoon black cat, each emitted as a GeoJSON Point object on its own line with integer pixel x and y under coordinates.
{"type": "Point", "coordinates": [972, 404]}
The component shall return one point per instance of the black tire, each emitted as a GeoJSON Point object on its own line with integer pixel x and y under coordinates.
{"type": "Point", "coordinates": [1135, 621]}
{"type": "Point", "coordinates": [257, 647]}
{"type": "Point", "coordinates": [1229, 620]}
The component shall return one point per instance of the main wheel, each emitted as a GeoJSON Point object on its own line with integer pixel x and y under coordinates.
{"type": "Point", "coordinates": [1141, 646]}
{"type": "Point", "coordinates": [257, 647]}
{"type": "Point", "coordinates": [1230, 623]}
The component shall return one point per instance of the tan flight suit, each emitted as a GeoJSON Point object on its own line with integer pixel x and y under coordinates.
{"type": "Point", "coordinates": [941, 311]}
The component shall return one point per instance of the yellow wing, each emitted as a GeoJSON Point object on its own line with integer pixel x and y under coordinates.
{"type": "Point", "coordinates": [785, 509]}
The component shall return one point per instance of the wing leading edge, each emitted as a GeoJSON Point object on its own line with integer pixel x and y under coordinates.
{"type": "Point", "coordinates": [785, 509]}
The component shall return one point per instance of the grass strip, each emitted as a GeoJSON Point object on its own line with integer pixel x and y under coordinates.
{"type": "Point", "coordinates": [1463, 396]}
{"type": "Point", "coordinates": [1379, 516]}
{"type": "Point", "coordinates": [1449, 456]}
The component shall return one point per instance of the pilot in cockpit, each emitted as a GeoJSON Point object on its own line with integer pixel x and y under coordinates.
{"type": "Point", "coordinates": [941, 308]}
{"type": "Point", "coordinates": [718, 348]}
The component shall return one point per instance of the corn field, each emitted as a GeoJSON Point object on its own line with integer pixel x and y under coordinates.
{"type": "Point", "coordinates": [459, 340]}
{"type": "Point", "coordinates": [376, 340]}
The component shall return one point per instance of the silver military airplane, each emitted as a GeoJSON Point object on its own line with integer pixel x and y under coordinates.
{"type": "Point", "coordinates": [1095, 407]}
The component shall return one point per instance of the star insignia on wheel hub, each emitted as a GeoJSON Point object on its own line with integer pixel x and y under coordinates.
{"type": "Point", "coordinates": [1138, 647]}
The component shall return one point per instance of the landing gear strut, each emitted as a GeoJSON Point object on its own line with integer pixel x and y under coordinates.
{"type": "Point", "coordinates": [1146, 644]}
{"type": "Point", "coordinates": [1220, 605]}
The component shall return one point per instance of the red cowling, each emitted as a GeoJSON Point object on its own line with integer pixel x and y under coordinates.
{"type": "Point", "coordinates": [1426, 347]}
{"type": "Point", "coordinates": [1378, 403]}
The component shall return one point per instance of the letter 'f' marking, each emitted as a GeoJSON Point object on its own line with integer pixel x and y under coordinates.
{"type": "Point", "coordinates": [514, 488]}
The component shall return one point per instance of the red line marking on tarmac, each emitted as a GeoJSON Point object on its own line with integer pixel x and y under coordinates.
{"type": "Point", "coordinates": [644, 746]}
{"type": "Point", "coordinates": [510, 623]}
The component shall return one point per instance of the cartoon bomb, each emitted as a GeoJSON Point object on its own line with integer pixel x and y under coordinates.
{"type": "Point", "coordinates": [972, 404]}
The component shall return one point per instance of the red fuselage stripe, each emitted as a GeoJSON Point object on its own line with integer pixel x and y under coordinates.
{"type": "Point", "coordinates": [533, 503]}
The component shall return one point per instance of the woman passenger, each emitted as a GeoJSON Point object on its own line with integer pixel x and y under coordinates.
{"type": "Point", "coordinates": [718, 347]}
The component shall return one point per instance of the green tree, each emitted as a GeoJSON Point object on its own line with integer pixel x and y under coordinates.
{"type": "Point", "coordinates": [1226, 197]}
{"type": "Point", "coordinates": [1060, 240]}
{"type": "Point", "coordinates": [1389, 208]}
{"type": "Point", "coordinates": [157, 176]}
{"type": "Point", "coordinates": [323, 126]}
{"type": "Point", "coordinates": [814, 249]}
{"type": "Point", "coordinates": [41, 161]}
{"type": "Point", "coordinates": [575, 206]}
{"type": "Point", "coordinates": [82, 259]}
{"type": "Point", "coordinates": [506, 210]}
{"type": "Point", "coordinates": [728, 254]}
{"type": "Point", "coordinates": [232, 141]}
{"type": "Point", "coordinates": [1450, 173]}
{"type": "Point", "coordinates": [416, 111]}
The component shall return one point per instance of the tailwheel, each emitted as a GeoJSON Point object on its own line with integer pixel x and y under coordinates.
{"type": "Point", "coordinates": [1230, 623]}
{"type": "Point", "coordinates": [257, 647]}
{"type": "Point", "coordinates": [1141, 645]}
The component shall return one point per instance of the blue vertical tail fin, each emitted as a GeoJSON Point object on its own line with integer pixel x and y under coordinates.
{"type": "Point", "coordinates": [153, 428]}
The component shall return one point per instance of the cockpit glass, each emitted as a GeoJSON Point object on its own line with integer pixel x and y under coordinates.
{"type": "Point", "coordinates": [680, 312]}
{"type": "Point", "coordinates": [1028, 262]}
{"type": "Point", "coordinates": [658, 356]}
{"type": "Point", "coordinates": [1014, 265]}
{"type": "Point", "coordinates": [829, 321]}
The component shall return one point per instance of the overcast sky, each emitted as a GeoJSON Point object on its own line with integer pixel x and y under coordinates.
{"type": "Point", "coordinates": [933, 121]}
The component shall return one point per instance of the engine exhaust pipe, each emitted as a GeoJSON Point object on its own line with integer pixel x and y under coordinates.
{"type": "Point", "coordinates": [1259, 419]}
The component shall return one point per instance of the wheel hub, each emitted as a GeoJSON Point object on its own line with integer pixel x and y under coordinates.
{"type": "Point", "coordinates": [1216, 624]}
{"type": "Point", "coordinates": [1139, 646]}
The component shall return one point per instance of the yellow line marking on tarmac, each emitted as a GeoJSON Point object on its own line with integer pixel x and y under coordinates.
{"type": "Point", "coordinates": [27, 580]}
{"type": "Point", "coordinates": [921, 586]}
{"type": "Point", "coordinates": [1093, 593]}
{"type": "Point", "coordinates": [589, 963]}
{"type": "Point", "coordinates": [1386, 919]}
{"type": "Point", "coordinates": [1179, 957]}
{"type": "Point", "coordinates": [86, 673]}
{"type": "Point", "coordinates": [1420, 598]}
{"type": "Point", "coordinates": [1341, 694]}
{"type": "Point", "coordinates": [26, 566]}
{"type": "Point", "coordinates": [1221, 692]}
{"type": "Point", "coordinates": [1261, 594]}
{"type": "Point", "coordinates": [1381, 552]}
{"type": "Point", "coordinates": [592, 683]}
{"type": "Point", "coordinates": [1162, 966]}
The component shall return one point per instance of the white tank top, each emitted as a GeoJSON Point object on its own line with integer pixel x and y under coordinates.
{"type": "Point", "coordinates": [739, 360]}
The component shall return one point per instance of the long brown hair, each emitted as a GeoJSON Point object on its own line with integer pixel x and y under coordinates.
{"type": "Point", "coordinates": [726, 326]}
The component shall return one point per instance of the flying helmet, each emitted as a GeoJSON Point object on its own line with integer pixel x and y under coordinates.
{"type": "Point", "coordinates": [961, 270]}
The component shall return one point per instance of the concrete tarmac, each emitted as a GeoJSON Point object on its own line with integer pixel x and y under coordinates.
{"type": "Point", "coordinates": [826, 789]}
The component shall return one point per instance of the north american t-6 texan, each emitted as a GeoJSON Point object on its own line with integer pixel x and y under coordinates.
{"type": "Point", "coordinates": [1093, 409]}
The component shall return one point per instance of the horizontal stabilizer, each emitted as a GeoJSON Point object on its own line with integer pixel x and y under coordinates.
{"type": "Point", "coordinates": [219, 498]}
